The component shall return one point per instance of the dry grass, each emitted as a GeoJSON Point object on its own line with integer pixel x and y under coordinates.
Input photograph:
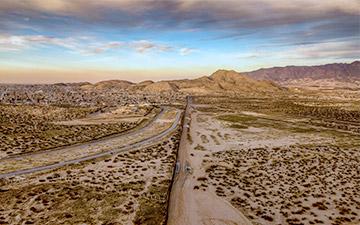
{"type": "Point", "coordinates": [311, 180]}
{"type": "Point", "coordinates": [131, 186]}
{"type": "Point", "coordinates": [30, 128]}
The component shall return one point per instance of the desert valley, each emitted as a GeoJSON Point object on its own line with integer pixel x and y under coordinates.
{"type": "Point", "coordinates": [273, 146]}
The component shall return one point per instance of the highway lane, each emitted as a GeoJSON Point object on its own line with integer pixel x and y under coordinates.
{"type": "Point", "coordinates": [133, 131]}
{"type": "Point", "coordinates": [142, 143]}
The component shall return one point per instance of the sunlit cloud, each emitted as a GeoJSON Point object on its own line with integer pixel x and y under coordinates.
{"type": "Point", "coordinates": [126, 34]}
{"type": "Point", "coordinates": [143, 46]}
{"type": "Point", "coordinates": [303, 20]}
{"type": "Point", "coordinates": [83, 46]}
{"type": "Point", "coordinates": [228, 14]}
{"type": "Point", "coordinates": [326, 50]}
{"type": "Point", "coordinates": [334, 50]}
{"type": "Point", "coordinates": [103, 48]}
{"type": "Point", "coordinates": [254, 54]}
{"type": "Point", "coordinates": [18, 42]}
{"type": "Point", "coordinates": [186, 51]}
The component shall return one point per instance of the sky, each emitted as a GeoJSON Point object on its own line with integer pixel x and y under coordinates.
{"type": "Point", "coordinates": [45, 41]}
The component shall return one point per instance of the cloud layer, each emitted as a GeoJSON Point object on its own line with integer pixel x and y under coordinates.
{"type": "Point", "coordinates": [184, 33]}
{"type": "Point", "coordinates": [83, 45]}
{"type": "Point", "coordinates": [175, 14]}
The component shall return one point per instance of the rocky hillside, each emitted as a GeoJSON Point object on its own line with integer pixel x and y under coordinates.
{"type": "Point", "coordinates": [161, 86]}
{"type": "Point", "coordinates": [222, 81]}
{"type": "Point", "coordinates": [325, 75]}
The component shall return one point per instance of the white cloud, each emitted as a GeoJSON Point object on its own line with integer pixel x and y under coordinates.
{"type": "Point", "coordinates": [18, 42]}
{"type": "Point", "coordinates": [76, 7]}
{"type": "Point", "coordinates": [335, 50]}
{"type": "Point", "coordinates": [254, 54]}
{"type": "Point", "coordinates": [11, 43]}
{"type": "Point", "coordinates": [317, 51]}
{"type": "Point", "coordinates": [143, 46]}
{"type": "Point", "coordinates": [186, 51]}
{"type": "Point", "coordinates": [82, 45]}
{"type": "Point", "coordinates": [300, 20]}
{"type": "Point", "coordinates": [103, 48]}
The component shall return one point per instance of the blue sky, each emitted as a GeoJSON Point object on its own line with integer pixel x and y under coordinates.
{"type": "Point", "coordinates": [88, 40]}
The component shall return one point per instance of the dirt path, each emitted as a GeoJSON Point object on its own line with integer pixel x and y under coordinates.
{"type": "Point", "coordinates": [188, 206]}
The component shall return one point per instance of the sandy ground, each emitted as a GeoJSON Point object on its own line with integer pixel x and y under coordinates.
{"type": "Point", "coordinates": [126, 188]}
{"type": "Point", "coordinates": [120, 114]}
{"type": "Point", "coordinates": [272, 170]}
{"type": "Point", "coordinates": [187, 205]}
{"type": "Point", "coordinates": [28, 129]}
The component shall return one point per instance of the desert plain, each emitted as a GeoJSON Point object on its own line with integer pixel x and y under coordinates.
{"type": "Point", "coordinates": [223, 149]}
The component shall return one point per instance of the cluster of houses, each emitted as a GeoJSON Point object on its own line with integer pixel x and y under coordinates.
{"type": "Point", "coordinates": [74, 95]}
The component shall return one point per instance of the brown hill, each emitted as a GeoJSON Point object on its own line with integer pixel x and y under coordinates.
{"type": "Point", "coordinates": [342, 72]}
{"type": "Point", "coordinates": [110, 84]}
{"type": "Point", "coordinates": [145, 83]}
{"type": "Point", "coordinates": [161, 86]}
{"type": "Point", "coordinates": [222, 81]}
{"type": "Point", "coordinates": [195, 86]}
{"type": "Point", "coordinates": [230, 80]}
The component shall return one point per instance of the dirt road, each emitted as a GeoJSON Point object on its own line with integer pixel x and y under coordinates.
{"type": "Point", "coordinates": [191, 207]}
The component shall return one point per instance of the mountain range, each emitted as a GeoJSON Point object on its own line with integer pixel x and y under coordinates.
{"type": "Point", "coordinates": [262, 81]}
{"type": "Point", "coordinates": [335, 75]}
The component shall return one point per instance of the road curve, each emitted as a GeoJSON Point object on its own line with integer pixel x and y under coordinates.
{"type": "Point", "coordinates": [144, 142]}
{"type": "Point", "coordinates": [132, 131]}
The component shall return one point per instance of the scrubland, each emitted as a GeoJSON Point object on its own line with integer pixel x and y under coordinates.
{"type": "Point", "coordinates": [126, 188]}
{"type": "Point", "coordinates": [28, 128]}
{"type": "Point", "coordinates": [288, 161]}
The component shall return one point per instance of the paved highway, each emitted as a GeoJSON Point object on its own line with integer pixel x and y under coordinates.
{"type": "Point", "coordinates": [131, 132]}
{"type": "Point", "coordinates": [142, 143]}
